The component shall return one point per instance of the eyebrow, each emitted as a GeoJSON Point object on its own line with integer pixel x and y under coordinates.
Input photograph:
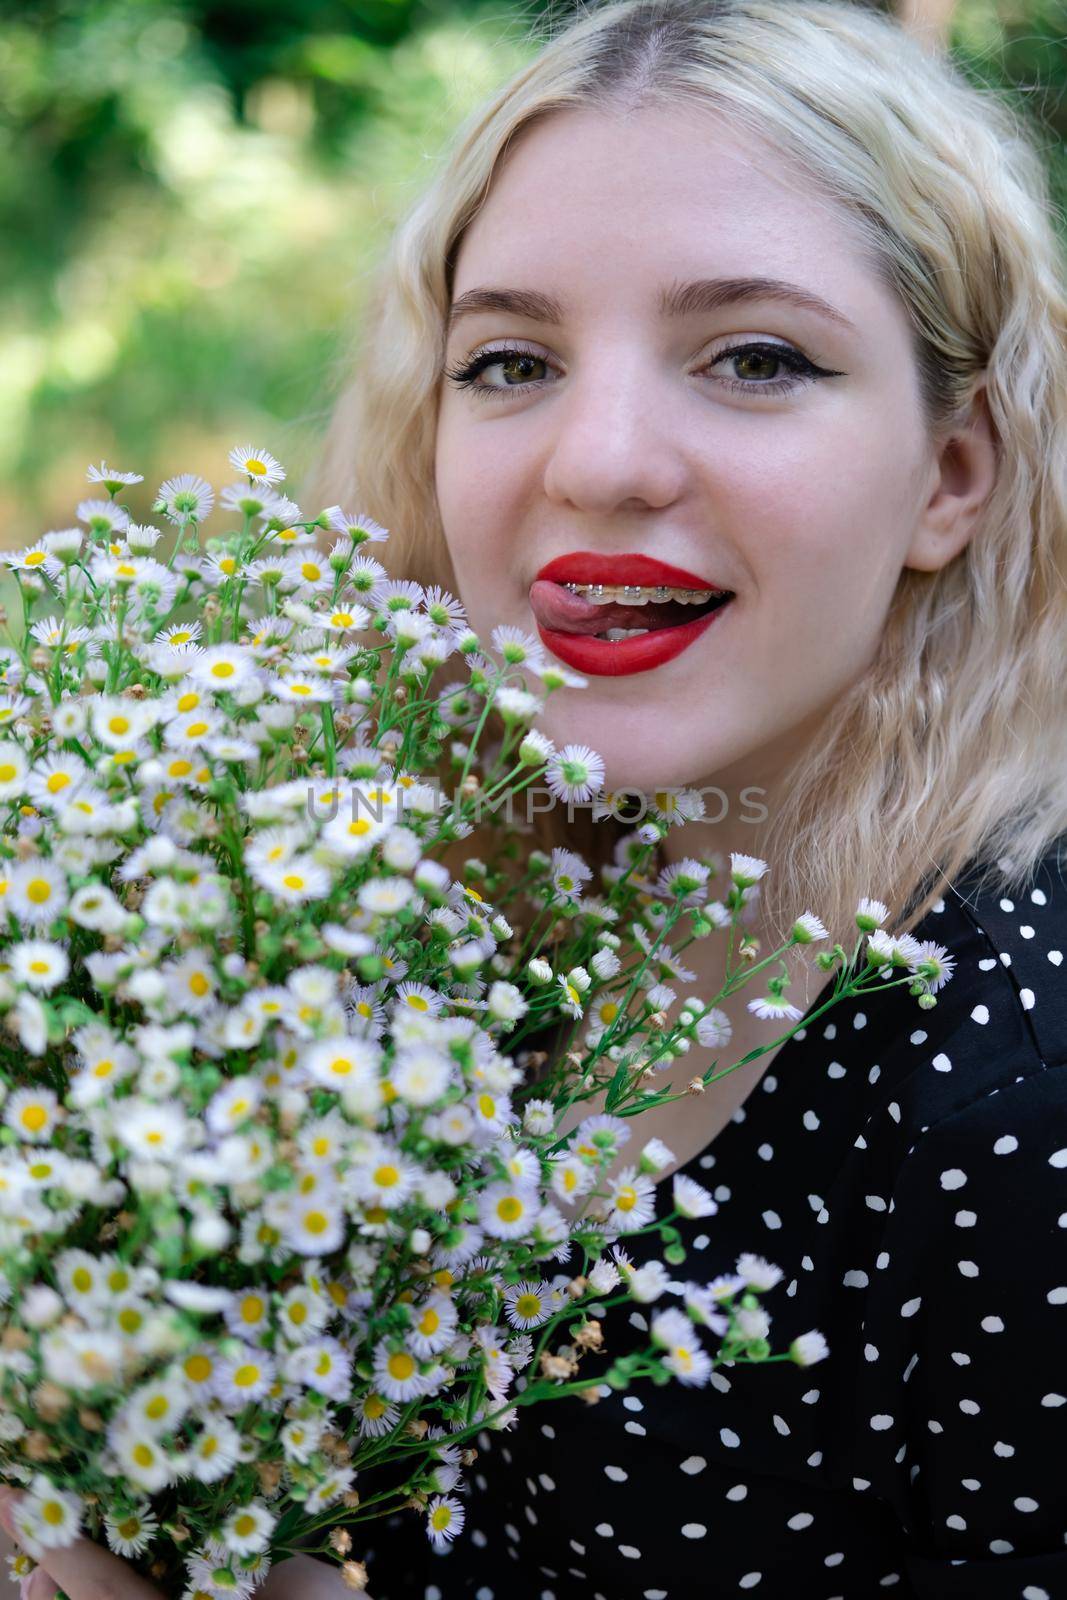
{"type": "Point", "coordinates": [676, 300]}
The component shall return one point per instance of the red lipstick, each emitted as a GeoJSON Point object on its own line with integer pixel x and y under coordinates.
{"type": "Point", "coordinates": [584, 566]}
{"type": "Point", "coordinates": [619, 658]}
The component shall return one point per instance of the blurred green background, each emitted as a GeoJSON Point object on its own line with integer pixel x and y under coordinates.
{"type": "Point", "coordinates": [192, 194]}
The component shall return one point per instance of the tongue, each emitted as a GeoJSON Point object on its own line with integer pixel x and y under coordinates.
{"type": "Point", "coordinates": [562, 609]}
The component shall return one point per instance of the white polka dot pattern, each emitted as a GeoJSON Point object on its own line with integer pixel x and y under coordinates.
{"type": "Point", "coordinates": [907, 1170]}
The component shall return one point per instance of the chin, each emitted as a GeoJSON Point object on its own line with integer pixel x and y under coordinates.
{"type": "Point", "coordinates": [640, 750]}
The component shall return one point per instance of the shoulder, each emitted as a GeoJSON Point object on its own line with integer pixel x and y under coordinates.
{"type": "Point", "coordinates": [1026, 936]}
{"type": "Point", "coordinates": [1000, 1019]}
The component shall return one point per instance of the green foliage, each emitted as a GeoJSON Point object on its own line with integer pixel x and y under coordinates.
{"type": "Point", "coordinates": [194, 190]}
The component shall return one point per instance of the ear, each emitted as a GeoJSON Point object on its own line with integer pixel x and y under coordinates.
{"type": "Point", "coordinates": [964, 475]}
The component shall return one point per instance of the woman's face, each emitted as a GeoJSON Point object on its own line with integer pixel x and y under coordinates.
{"type": "Point", "coordinates": [805, 497]}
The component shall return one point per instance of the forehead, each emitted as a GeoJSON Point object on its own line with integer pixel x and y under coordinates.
{"type": "Point", "coordinates": [590, 199]}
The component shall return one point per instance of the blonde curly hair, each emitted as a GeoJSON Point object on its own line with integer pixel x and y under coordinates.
{"type": "Point", "coordinates": [952, 749]}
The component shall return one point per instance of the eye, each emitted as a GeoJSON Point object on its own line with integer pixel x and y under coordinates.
{"type": "Point", "coordinates": [760, 353]}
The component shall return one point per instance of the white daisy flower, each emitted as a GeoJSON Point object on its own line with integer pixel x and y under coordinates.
{"type": "Point", "coordinates": [179, 635]}
{"type": "Point", "coordinates": [433, 1326]}
{"type": "Point", "coordinates": [303, 1314]}
{"type": "Point", "coordinates": [631, 1198]}
{"type": "Point", "coordinates": [574, 773]}
{"type": "Point", "coordinates": [420, 1075]}
{"type": "Point", "coordinates": [187, 497]}
{"type": "Point", "coordinates": [691, 1199]}
{"type": "Point", "coordinates": [568, 873]}
{"type": "Point", "coordinates": [757, 1272]}
{"type": "Point", "coordinates": [259, 465]}
{"type": "Point", "coordinates": [397, 1373]}
{"type": "Point", "coordinates": [188, 733]}
{"type": "Point", "coordinates": [32, 1023]}
{"type": "Point", "coordinates": [773, 1006]}
{"type": "Point", "coordinates": [33, 1114]}
{"type": "Point", "coordinates": [570, 1178]}
{"type": "Point", "coordinates": [274, 845]}
{"type": "Point", "coordinates": [388, 1179]}
{"type": "Point", "coordinates": [713, 1028]}
{"type": "Point", "coordinates": [222, 666]}
{"type": "Point", "coordinates": [385, 896]}
{"type": "Point", "coordinates": [130, 1533]}
{"type": "Point", "coordinates": [64, 543]}
{"type": "Point", "coordinates": [112, 479]}
{"type": "Point", "coordinates": [746, 870]}
{"type": "Point", "coordinates": [702, 1306]}
{"type": "Point", "coordinates": [314, 1224]}
{"type": "Point", "coordinates": [516, 645]}
{"type": "Point", "coordinates": [39, 963]}
{"type": "Point", "coordinates": [646, 1284]}
{"type": "Point", "coordinates": [570, 1000]}
{"type": "Point", "coordinates": [807, 1348]}
{"type": "Point", "coordinates": [807, 929]}
{"type": "Point", "coordinates": [141, 1457]}
{"type": "Point", "coordinates": [158, 1406]}
{"type": "Point", "coordinates": [445, 1517]}
{"type": "Point", "coordinates": [199, 1367]}
{"type": "Point", "coordinates": [352, 836]}
{"type": "Point", "coordinates": [34, 559]}
{"type": "Point", "coordinates": [330, 1489]}
{"type": "Point", "coordinates": [233, 1104]}
{"type": "Point", "coordinates": [686, 1356]}
{"type": "Point", "coordinates": [250, 499]}
{"type": "Point", "coordinates": [346, 619]}
{"type": "Point", "coordinates": [870, 914]}
{"type": "Point", "coordinates": [118, 722]}
{"type": "Point", "coordinates": [248, 1528]}
{"type": "Point", "coordinates": [297, 880]}
{"type": "Point", "coordinates": [82, 1280]}
{"type": "Point", "coordinates": [752, 1322]}
{"type": "Point", "coordinates": [156, 1129]}
{"type": "Point", "coordinates": [309, 570]}
{"type": "Point", "coordinates": [343, 1063]}
{"type": "Point", "coordinates": [943, 964]}
{"type": "Point", "coordinates": [528, 1304]}
{"type": "Point", "coordinates": [55, 633]}
{"type": "Point", "coordinates": [56, 775]}
{"type": "Point", "coordinates": [321, 1364]}
{"type": "Point", "coordinates": [215, 1451]}
{"type": "Point", "coordinates": [13, 706]}
{"type": "Point", "coordinates": [82, 1359]}
{"type": "Point", "coordinates": [600, 1136]}
{"type": "Point", "coordinates": [142, 538]}
{"type": "Point", "coordinates": [301, 689]}
{"type": "Point", "coordinates": [507, 1210]}
{"type": "Point", "coordinates": [377, 1415]}
{"type": "Point", "coordinates": [13, 769]}
{"type": "Point", "coordinates": [243, 1377]}
{"type": "Point", "coordinates": [47, 1518]}
{"type": "Point", "coordinates": [604, 1276]}
{"type": "Point", "coordinates": [360, 529]}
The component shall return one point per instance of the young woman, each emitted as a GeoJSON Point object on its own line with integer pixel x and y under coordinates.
{"type": "Point", "coordinates": [756, 298]}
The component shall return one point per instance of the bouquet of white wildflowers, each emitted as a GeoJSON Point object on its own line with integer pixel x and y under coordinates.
{"type": "Point", "coordinates": [281, 1199]}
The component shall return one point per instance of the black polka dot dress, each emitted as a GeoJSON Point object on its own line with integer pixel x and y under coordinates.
{"type": "Point", "coordinates": [907, 1170]}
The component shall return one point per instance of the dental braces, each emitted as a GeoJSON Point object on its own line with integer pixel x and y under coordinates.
{"type": "Point", "coordinates": [642, 594]}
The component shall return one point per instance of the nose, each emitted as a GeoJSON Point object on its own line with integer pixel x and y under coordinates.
{"type": "Point", "coordinates": [613, 448]}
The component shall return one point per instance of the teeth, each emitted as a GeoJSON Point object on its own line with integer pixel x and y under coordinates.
{"type": "Point", "coordinates": [615, 634]}
{"type": "Point", "coordinates": [641, 595]}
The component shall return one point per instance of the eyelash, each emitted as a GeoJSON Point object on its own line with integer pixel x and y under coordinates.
{"type": "Point", "coordinates": [803, 371]}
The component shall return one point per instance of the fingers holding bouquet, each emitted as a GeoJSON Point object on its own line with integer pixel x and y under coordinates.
{"type": "Point", "coordinates": [81, 1570]}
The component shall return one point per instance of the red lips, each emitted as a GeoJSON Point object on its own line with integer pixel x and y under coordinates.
{"type": "Point", "coordinates": [585, 566]}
